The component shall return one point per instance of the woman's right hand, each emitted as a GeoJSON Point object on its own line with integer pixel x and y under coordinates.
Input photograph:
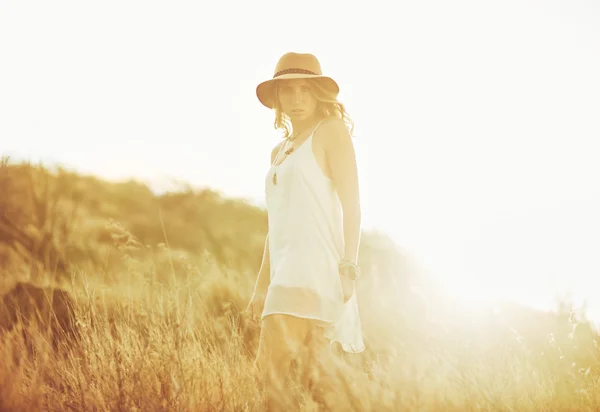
{"type": "Point", "coordinates": [255, 307]}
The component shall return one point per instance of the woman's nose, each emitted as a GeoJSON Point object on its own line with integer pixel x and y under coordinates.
{"type": "Point", "coordinates": [297, 96]}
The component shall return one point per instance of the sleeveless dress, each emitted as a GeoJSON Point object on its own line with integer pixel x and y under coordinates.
{"type": "Point", "coordinates": [306, 244]}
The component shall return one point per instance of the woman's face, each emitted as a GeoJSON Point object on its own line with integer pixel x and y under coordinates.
{"type": "Point", "coordinates": [296, 98]}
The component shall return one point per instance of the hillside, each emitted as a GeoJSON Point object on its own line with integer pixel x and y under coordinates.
{"type": "Point", "coordinates": [56, 220]}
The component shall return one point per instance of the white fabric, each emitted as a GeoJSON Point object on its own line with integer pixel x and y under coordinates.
{"type": "Point", "coordinates": [306, 244]}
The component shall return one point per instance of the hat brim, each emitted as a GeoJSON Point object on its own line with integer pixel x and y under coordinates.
{"type": "Point", "coordinates": [264, 91]}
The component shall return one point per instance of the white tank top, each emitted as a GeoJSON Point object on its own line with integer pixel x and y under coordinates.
{"type": "Point", "coordinates": [306, 244]}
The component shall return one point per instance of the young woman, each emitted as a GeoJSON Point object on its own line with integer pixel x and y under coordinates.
{"type": "Point", "coordinates": [305, 288]}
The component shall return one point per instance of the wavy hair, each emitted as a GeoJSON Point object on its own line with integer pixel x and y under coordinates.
{"type": "Point", "coordinates": [327, 106]}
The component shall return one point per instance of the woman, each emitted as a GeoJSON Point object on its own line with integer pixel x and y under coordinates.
{"type": "Point", "coordinates": [305, 287]}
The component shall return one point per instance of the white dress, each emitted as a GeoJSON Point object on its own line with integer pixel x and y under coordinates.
{"type": "Point", "coordinates": [306, 244]}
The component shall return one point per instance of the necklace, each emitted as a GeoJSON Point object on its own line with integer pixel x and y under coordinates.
{"type": "Point", "coordinates": [287, 152]}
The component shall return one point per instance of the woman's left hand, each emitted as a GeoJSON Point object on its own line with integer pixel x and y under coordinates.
{"type": "Point", "coordinates": [347, 287]}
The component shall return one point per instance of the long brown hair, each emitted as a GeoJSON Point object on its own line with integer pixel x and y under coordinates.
{"type": "Point", "coordinates": [327, 106]}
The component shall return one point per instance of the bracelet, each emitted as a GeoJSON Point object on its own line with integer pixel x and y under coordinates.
{"type": "Point", "coordinates": [354, 273]}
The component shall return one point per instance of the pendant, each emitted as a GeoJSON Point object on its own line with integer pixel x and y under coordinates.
{"type": "Point", "coordinates": [275, 178]}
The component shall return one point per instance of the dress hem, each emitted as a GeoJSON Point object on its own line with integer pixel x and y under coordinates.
{"type": "Point", "coordinates": [347, 347]}
{"type": "Point", "coordinates": [298, 316]}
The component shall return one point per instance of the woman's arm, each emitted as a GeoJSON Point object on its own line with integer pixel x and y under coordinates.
{"type": "Point", "coordinates": [263, 279]}
{"type": "Point", "coordinates": [341, 158]}
{"type": "Point", "coordinates": [264, 274]}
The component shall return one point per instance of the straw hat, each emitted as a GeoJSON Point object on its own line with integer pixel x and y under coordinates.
{"type": "Point", "coordinates": [294, 66]}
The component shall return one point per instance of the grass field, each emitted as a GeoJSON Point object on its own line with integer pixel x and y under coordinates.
{"type": "Point", "coordinates": [189, 347]}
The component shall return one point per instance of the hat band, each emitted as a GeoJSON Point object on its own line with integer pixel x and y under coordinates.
{"type": "Point", "coordinates": [293, 70]}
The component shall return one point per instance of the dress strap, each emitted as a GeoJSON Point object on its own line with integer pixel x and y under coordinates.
{"type": "Point", "coordinates": [316, 127]}
{"type": "Point", "coordinates": [278, 153]}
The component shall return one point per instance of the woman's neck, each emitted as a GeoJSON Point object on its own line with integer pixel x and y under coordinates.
{"type": "Point", "coordinates": [301, 126]}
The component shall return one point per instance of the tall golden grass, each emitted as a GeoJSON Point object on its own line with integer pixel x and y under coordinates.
{"type": "Point", "coordinates": [189, 347]}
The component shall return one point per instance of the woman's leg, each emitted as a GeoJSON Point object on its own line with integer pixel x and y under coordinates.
{"type": "Point", "coordinates": [282, 338]}
{"type": "Point", "coordinates": [320, 373]}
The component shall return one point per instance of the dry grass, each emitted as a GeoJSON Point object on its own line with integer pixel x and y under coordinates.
{"type": "Point", "coordinates": [141, 349]}
{"type": "Point", "coordinates": [188, 347]}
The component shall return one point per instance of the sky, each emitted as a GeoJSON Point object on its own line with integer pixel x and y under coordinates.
{"type": "Point", "coordinates": [476, 121]}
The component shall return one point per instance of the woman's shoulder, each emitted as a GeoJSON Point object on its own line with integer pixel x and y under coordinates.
{"type": "Point", "coordinates": [332, 129]}
{"type": "Point", "coordinates": [332, 122]}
